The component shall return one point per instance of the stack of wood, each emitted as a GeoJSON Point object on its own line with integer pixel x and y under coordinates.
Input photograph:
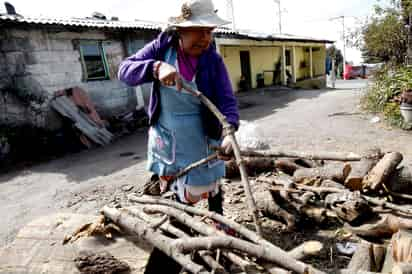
{"type": "Point", "coordinates": [369, 193]}
{"type": "Point", "coordinates": [188, 235]}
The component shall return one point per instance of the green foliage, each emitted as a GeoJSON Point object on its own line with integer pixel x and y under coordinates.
{"type": "Point", "coordinates": [388, 83]}
{"type": "Point", "coordinates": [383, 36]}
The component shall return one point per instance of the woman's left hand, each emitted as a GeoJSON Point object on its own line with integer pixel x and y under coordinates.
{"type": "Point", "coordinates": [227, 149]}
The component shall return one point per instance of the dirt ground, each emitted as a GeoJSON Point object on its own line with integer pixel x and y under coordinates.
{"type": "Point", "coordinates": [289, 119]}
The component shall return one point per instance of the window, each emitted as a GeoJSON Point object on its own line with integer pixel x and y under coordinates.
{"type": "Point", "coordinates": [94, 60]}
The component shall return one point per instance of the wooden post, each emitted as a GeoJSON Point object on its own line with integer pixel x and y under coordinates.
{"type": "Point", "coordinates": [333, 73]}
{"type": "Point", "coordinates": [311, 62]}
{"type": "Point", "coordinates": [284, 76]}
{"type": "Point", "coordinates": [294, 65]}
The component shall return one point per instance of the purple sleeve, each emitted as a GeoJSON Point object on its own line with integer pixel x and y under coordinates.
{"type": "Point", "coordinates": [225, 97]}
{"type": "Point", "coordinates": [138, 68]}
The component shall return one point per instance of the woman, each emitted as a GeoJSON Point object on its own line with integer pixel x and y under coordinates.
{"type": "Point", "coordinates": [182, 129]}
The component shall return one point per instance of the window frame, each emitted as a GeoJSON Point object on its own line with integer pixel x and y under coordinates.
{"type": "Point", "coordinates": [104, 60]}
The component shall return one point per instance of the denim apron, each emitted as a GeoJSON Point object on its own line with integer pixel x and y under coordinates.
{"type": "Point", "coordinates": [178, 138]}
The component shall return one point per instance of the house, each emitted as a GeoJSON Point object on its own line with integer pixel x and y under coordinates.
{"type": "Point", "coordinates": [257, 60]}
{"type": "Point", "coordinates": [39, 56]}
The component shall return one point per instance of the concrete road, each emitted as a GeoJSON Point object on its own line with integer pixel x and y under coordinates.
{"type": "Point", "coordinates": [290, 119]}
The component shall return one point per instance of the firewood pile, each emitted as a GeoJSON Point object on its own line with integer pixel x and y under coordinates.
{"type": "Point", "coordinates": [367, 193]}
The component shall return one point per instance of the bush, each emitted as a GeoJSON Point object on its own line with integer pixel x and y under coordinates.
{"type": "Point", "coordinates": [388, 84]}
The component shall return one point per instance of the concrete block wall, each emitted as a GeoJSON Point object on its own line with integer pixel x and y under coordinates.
{"type": "Point", "coordinates": [40, 61]}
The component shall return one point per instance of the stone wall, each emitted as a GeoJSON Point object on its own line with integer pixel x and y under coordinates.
{"type": "Point", "coordinates": [37, 61]}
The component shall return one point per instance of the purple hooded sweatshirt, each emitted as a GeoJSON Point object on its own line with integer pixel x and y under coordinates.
{"type": "Point", "coordinates": [212, 80]}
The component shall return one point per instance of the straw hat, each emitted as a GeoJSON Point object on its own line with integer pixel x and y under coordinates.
{"type": "Point", "coordinates": [197, 13]}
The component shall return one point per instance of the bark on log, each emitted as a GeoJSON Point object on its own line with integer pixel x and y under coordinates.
{"type": "Point", "coordinates": [385, 226]}
{"type": "Point", "coordinates": [402, 246]}
{"type": "Point", "coordinates": [349, 206]}
{"type": "Point", "coordinates": [92, 263]}
{"type": "Point", "coordinates": [381, 172]}
{"type": "Point", "coordinates": [287, 166]}
{"type": "Point", "coordinates": [358, 171]}
{"type": "Point", "coordinates": [252, 165]}
{"type": "Point", "coordinates": [320, 155]}
{"type": "Point", "coordinates": [400, 181]}
{"type": "Point", "coordinates": [267, 205]}
{"type": "Point", "coordinates": [283, 259]}
{"type": "Point", "coordinates": [402, 268]}
{"type": "Point", "coordinates": [336, 172]}
{"type": "Point", "coordinates": [362, 259]}
{"type": "Point", "coordinates": [310, 248]}
{"type": "Point", "coordinates": [143, 231]}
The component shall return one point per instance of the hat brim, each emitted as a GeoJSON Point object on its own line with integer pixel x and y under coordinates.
{"type": "Point", "coordinates": [210, 21]}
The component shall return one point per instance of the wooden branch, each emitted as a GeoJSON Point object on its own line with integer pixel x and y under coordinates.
{"type": "Point", "coordinates": [169, 228]}
{"type": "Point", "coordinates": [253, 166]}
{"type": "Point", "coordinates": [327, 156]}
{"type": "Point", "coordinates": [402, 268]}
{"type": "Point", "coordinates": [229, 131]}
{"type": "Point", "coordinates": [381, 172]}
{"type": "Point", "coordinates": [402, 246]}
{"type": "Point", "coordinates": [196, 165]}
{"type": "Point", "coordinates": [362, 259]}
{"type": "Point", "coordinates": [262, 252]}
{"type": "Point", "coordinates": [283, 259]}
{"type": "Point", "coordinates": [143, 231]}
{"type": "Point", "coordinates": [358, 171]}
{"type": "Point", "coordinates": [310, 248]}
{"type": "Point", "coordinates": [287, 166]}
{"type": "Point", "coordinates": [336, 172]}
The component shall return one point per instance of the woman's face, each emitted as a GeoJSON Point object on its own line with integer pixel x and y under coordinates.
{"type": "Point", "coordinates": [195, 40]}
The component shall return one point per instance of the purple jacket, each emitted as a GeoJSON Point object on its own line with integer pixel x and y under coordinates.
{"type": "Point", "coordinates": [212, 79]}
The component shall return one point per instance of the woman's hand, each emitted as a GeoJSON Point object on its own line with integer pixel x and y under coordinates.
{"type": "Point", "coordinates": [227, 149]}
{"type": "Point", "coordinates": [167, 75]}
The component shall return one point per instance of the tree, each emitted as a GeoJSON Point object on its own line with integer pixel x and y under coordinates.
{"type": "Point", "coordinates": [384, 36]}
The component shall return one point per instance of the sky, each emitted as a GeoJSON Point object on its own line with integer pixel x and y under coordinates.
{"type": "Point", "coordinates": [299, 17]}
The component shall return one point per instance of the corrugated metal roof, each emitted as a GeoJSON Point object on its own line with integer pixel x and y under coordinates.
{"type": "Point", "coordinates": [81, 22]}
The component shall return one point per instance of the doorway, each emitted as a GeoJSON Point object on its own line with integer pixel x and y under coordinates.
{"type": "Point", "coordinates": [245, 68]}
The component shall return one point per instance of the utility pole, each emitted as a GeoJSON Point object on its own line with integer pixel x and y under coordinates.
{"type": "Point", "coordinates": [343, 38]}
{"type": "Point", "coordinates": [230, 10]}
{"type": "Point", "coordinates": [280, 15]}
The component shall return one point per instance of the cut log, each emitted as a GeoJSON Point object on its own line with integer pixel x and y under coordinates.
{"type": "Point", "coordinates": [400, 181]}
{"type": "Point", "coordinates": [388, 263]}
{"type": "Point", "coordinates": [310, 248]}
{"type": "Point", "coordinates": [349, 206]}
{"type": "Point", "coordinates": [402, 246]}
{"type": "Point", "coordinates": [335, 171]}
{"type": "Point", "coordinates": [358, 171]}
{"type": "Point", "coordinates": [287, 166]}
{"type": "Point", "coordinates": [362, 259]}
{"type": "Point", "coordinates": [385, 226]}
{"type": "Point", "coordinates": [252, 165]}
{"type": "Point", "coordinates": [402, 268]}
{"type": "Point", "coordinates": [267, 205]}
{"type": "Point", "coordinates": [381, 172]}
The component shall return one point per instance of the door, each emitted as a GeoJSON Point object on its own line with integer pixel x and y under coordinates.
{"type": "Point", "coordinates": [245, 68]}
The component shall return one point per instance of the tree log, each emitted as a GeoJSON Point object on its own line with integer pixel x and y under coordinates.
{"type": "Point", "coordinates": [385, 226]}
{"type": "Point", "coordinates": [143, 231]}
{"type": "Point", "coordinates": [362, 259]}
{"type": "Point", "coordinates": [287, 166]}
{"type": "Point", "coordinates": [402, 268]}
{"type": "Point", "coordinates": [267, 205]}
{"type": "Point", "coordinates": [283, 259]}
{"type": "Point", "coordinates": [400, 181]}
{"type": "Point", "coordinates": [349, 206]}
{"type": "Point", "coordinates": [252, 165]}
{"type": "Point", "coordinates": [310, 248]}
{"type": "Point", "coordinates": [358, 171]}
{"type": "Point", "coordinates": [402, 246]}
{"type": "Point", "coordinates": [335, 171]}
{"type": "Point", "coordinates": [323, 155]}
{"type": "Point", "coordinates": [381, 172]}
{"type": "Point", "coordinates": [388, 263]}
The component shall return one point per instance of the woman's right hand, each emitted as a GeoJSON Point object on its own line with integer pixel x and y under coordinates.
{"type": "Point", "coordinates": [168, 75]}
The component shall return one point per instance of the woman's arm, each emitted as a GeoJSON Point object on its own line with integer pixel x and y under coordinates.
{"type": "Point", "coordinates": [226, 99]}
{"type": "Point", "coordinates": [138, 68]}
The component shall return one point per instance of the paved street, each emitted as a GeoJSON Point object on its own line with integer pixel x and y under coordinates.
{"type": "Point", "coordinates": [288, 119]}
